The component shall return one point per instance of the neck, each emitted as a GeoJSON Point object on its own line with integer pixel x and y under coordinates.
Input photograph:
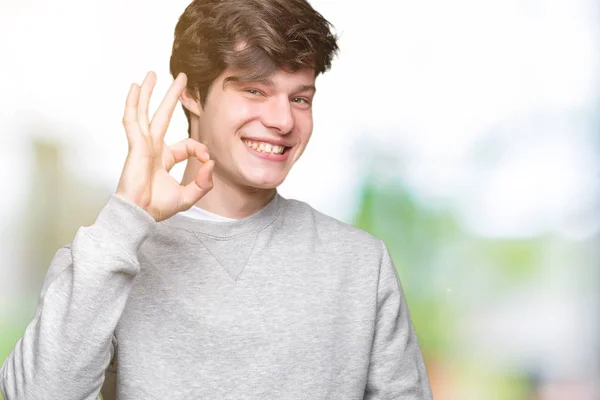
{"type": "Point", "coordinates": [225, 198]}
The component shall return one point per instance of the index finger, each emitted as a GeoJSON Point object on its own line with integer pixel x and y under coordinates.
{"type": "Point", "coordinates": [162, 117]}
{"type": "Point", "coordinates": [185, 149]}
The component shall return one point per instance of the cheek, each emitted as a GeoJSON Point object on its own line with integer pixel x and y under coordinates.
{"type": "Point", "coordinates": [304, 124]}
{"type": "Point", "coordinates": [238, 112]}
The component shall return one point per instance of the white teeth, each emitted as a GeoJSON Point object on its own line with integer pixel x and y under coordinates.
{"type": "Point", "coordinates": [265, 147]}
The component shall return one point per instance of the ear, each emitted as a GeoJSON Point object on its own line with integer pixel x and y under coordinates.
{"type": "Point", "coordinates": [190, 103]}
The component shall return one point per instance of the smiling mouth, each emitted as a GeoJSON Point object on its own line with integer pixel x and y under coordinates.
{"type": "Point", "coordinates": [266, 148]}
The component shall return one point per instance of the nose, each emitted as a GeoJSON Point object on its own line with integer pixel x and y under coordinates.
{"type": "Point", "coordinates": [278, 115]}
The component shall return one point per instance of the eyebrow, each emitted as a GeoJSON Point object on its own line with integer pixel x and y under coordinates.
{"type": "Point", "coordinates": [267, 82]}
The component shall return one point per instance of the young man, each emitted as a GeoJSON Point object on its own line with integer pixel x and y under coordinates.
{"type": "Point", "coordinates": [218, 287]}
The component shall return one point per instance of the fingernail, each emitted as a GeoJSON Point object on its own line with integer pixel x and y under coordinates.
{"type": "Point", "coordinates": [207, 156]}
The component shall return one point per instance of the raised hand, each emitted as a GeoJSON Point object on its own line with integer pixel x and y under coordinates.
{"type": "Point", "coordinates": [145, 179]}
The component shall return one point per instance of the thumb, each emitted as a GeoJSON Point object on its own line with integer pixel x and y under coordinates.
{"type": "Point", "coordinates": [202, 184]}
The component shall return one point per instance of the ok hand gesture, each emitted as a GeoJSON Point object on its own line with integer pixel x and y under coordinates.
{"type": "Point", "coordinates": [145, 179]}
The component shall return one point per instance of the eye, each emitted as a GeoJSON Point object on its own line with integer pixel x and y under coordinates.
{"type": "Point", "coordinates": [254, 92]}
{"type": "Point", "coordinates": [301, 100]}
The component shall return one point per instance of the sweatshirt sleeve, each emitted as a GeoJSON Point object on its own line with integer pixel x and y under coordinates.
{"type": "Point", "coordinates": [396, 369]}
{"type": "Point", "coordinates": [67, 346]}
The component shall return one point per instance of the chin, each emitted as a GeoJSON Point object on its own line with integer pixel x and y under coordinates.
{"type": "Point", "coordinates": [265, 185]}
{"type": "Point", "coordinates": [264, 182]}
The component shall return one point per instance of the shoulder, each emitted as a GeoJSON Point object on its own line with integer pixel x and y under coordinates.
{"type": "Point", "coordinates": [332, 233]}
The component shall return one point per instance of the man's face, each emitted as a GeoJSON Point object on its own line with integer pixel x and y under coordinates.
{"type": "Point", "coordinates": [246, 126]}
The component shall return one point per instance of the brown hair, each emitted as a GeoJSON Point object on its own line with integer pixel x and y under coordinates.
{"type": "Point", "coordinates": [254, 36]}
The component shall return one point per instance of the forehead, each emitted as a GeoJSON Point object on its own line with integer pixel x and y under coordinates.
{"type": "Point", "coordinates": [278, 78]}
{"type": "Point", "coordinates": [252, 64]}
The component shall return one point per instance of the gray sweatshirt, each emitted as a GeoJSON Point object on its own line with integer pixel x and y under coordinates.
{"type": "Point", "coordinates": [285, 304]}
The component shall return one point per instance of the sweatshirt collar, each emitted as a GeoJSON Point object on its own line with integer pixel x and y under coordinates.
{"type": "Point", "coordinates": [226, 229]}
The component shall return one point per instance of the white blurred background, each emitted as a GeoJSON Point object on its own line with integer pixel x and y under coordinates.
{"type": "Point", "coordinates": [465, 134]}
